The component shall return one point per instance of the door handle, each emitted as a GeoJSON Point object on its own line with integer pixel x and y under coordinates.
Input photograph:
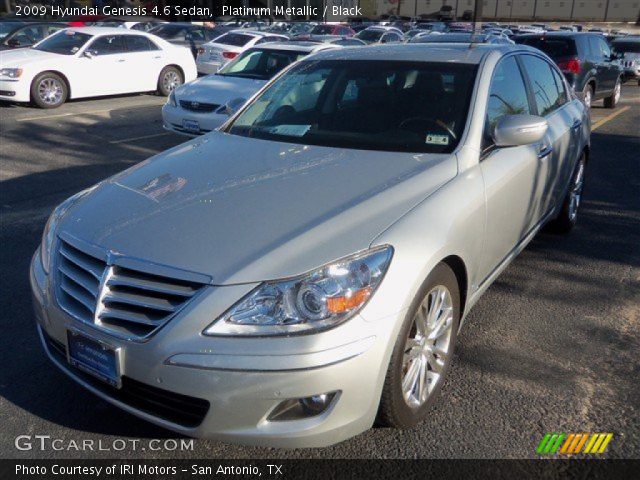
{"type": "Point", "coordinates": [576, 124]}
{"type": "Point", "coordinates": [121, 60]}
{"type": "Point", "coordinates": [156, 58]}
{"type": "Point", "coordinates": [545, 152]}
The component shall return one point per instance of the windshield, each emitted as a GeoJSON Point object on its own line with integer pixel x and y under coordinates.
{"type": "Point", "coordinates": [66, 42]}
{"type": "Point", "coordinates": [260, 64]}
{"type": "Point", "coordinates": [7, 27]}
{"type": "Point", "coordinates": [364, 104]}
{"type": "Point", "coordinates": [626, 47]}
{"type": "Point", "coordinates": [370, 35]}
{"type": "Point", "coordinates": [322, 30]}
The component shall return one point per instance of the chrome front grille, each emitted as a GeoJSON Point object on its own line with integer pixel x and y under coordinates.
{"type": "Point", "coordinates": [198, 106]}
{"type": "Point", "coordinates": [126, 302]}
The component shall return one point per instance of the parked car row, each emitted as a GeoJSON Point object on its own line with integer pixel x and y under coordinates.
{"type": "Point", "coordinates": [594, 69]}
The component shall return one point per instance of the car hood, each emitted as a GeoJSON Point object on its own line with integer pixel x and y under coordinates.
{"type": "Point", "coordinates": [219, 89]}
{"type": "Point", "coordinates": [21, 57]}
{"type": "Point", "coordinates": [244, 210]}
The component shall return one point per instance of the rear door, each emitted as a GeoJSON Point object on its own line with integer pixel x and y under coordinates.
{"type": "Point", "coordinates": [145, 61]}
{"type": "Point", "coordinates": [610, 66]}
{"type": "Point", "coordinates": [550, 96]}
{"type": "Point", "coordinates": [511, 175]}
{"type": "Point", "coordinates": [601, 65]}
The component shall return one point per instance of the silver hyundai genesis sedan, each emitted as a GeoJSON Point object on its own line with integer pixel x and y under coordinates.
{"type": "Point", "coordinates": [305, 270]}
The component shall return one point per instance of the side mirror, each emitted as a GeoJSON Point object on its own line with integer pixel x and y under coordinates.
{"type": "Point", "coordinates": [13, 42]}
{"type": "Point", "coordinates": [232, 106]}
{"type": "Point", "coordinates": [515, 130]}
{"type": "Point", "coordinates": [88, 54]}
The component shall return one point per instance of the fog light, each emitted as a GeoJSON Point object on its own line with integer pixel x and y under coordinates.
{"type": "Point", "coordinates": [300, 408]}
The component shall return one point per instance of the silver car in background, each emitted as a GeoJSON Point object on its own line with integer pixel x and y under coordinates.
{"type": "Point", "coordinates": [304, 270]}
{"type": "Point", "coordinates": [221, 50]}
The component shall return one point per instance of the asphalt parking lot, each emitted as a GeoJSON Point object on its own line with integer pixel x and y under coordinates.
{"type": "Point", "coordinates": [554, 344]}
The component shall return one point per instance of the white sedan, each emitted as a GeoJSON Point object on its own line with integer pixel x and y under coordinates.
{"type": "Point", "coordinates": [90, 62]}
{"type": "Point", "coordinates": [221, 50]}
{"type": "Point", "coordinates": [205, 104]}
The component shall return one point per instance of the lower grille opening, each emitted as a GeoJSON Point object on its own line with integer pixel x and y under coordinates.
{"type": "Point", "coordinates": [174, 407]}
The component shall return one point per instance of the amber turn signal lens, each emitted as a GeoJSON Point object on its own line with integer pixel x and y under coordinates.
{"type": "Point", "coordinates": [346, 303]}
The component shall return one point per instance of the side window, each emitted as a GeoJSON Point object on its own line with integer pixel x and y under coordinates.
{"type": "Point", "coordinates": [562, 91]}
{"type": "Point", "coordinates": [543, 84]}
{"type": "Point", "coordinates": [604, 48]}
{"type": "Point", "coordinates": [507, 95]}
{"type": "Point", "coordinates": [107, 45]}
{"type": "Point", "coordinates": [137, 43]}
{"type": "Point", "coordinates": [140, 26]}
{"type": "Point", "coordinates": [210, 34]}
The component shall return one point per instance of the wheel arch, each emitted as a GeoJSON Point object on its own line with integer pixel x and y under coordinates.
{"type": "Point", "coordinates": [61, 75]}
{"type": "Point", "coordinates": [175, 65]}
{"type": "Point", "coordinates": [455, 263]}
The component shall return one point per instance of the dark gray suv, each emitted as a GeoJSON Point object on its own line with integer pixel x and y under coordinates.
{"type": "Point", "coordinates": [587, 61]}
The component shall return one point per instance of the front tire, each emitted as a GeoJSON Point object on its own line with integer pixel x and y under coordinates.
{"type": "Point", "coordinates": [423, 351]}
{"type": "Point", "coordinates": [49, 90]}
{"type": "Point", "coordinates": [612, 101]}
{"type": "Point", "coordinates": [169, 79]}
{"type": "Point", "coordinates": [568, 216]}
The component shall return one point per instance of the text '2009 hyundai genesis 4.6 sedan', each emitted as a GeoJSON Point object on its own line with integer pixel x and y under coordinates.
{"type": "Point", "coordinates": [305, 269]}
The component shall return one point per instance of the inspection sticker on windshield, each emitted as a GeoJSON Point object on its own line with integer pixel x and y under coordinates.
{"type": "Point", "coordinates": [435, 139]}
{"type": "Point", "coordinates": [291, 130]}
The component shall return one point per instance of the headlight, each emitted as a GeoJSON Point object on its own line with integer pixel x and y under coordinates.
{"type": "Point", "coordinates": [315, 301]}
{"type": "Point", "coordinates": [10, 72]}
{"type": "Point", "coordinates": [171, 99]}
{"type": "Point", "coordinates": [52, 225]}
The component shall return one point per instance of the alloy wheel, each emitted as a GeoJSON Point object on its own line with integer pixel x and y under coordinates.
{"type": "Point", "coordinates": [50, 91]}
{"type": "Point", "coordinates": [576, 192]}
{"type": "Point", "coordinates": [171, 80]}
{"type": "Point", "coordinates": [427, 349]}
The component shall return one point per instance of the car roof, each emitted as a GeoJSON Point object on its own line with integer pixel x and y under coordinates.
{"type": "Point", "coordinates": [106, 31]}
{"type": "Point", "coordinates": [563, 33]}
{"type": "Point", "coordinates": [297, 46]}
{"type": "Point", "coordinates": [255, 33]}
{"type": "Point", "coordinates": [423, 52]}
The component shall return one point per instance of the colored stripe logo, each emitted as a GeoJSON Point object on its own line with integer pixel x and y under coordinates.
{"type": "Point", "coordinates": [573, 443]}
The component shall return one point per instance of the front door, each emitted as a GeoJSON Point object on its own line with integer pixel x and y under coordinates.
{"type": "Point", "coordinates": [108, 69]}
{"type": "Point", "coordinates": [512, 175]}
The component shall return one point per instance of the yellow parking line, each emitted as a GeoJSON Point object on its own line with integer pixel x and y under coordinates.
{"type": "Point", "coordinates": [608, 118]}
{"type": "Point", "coordinates": [143, 137]}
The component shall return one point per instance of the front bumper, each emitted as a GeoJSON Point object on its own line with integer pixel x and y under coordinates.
{"type": "Point", "coordinates": [14, 90]}
{"type": "Point", "coordinates": [242, 379]}
{"type": "Point", "coordinates": [173, 120]}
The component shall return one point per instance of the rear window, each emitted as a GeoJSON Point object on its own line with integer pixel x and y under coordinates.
{"type": "Point", "coordinates": [554, 47]}
{"type": "Point", "coordinates": [234, 39]}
